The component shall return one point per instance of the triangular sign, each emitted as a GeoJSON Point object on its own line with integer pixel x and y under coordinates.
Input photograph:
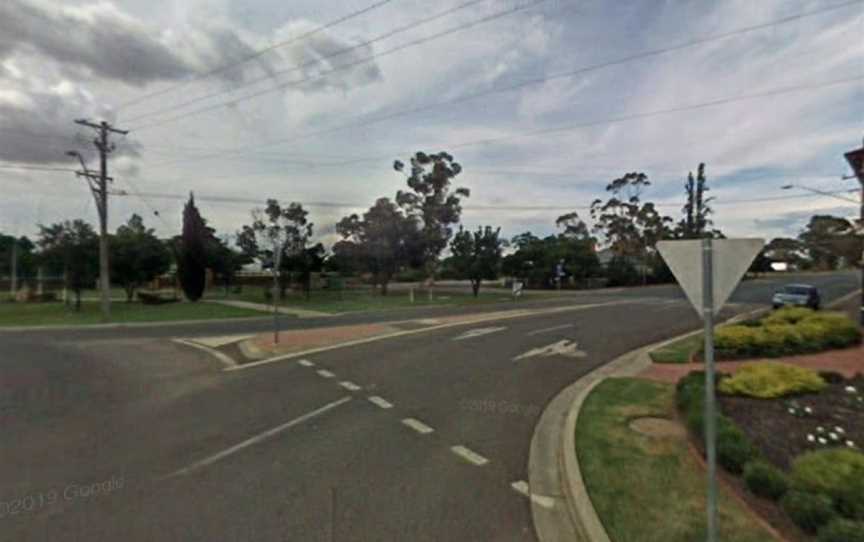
{"type": "Point", "coordinates": [730, 257]}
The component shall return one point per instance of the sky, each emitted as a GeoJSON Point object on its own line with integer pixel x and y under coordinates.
{"type": "Point", "coordinates": [542, 102]}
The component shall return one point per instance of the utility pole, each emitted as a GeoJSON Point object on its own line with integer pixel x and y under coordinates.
{"type": "Point", "coordinates": [100, 194]}
{"type": "Point", "coordinates": [856, 162]}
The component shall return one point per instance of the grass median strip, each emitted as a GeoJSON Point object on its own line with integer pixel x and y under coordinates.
{"type": "Point", "coordinates": [678, 351]}
{"type": "Point", "coordinates": [648, 487]}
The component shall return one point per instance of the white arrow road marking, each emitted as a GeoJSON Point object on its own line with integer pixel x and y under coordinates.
{"type": "Point", "coordinates": [522, 487]}
{"type": "Point", "coordinates": [479, 332]}
{"type": "Point", "coordinates": [566, 348]}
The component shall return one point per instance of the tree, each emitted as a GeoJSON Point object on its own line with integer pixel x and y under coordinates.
{"type": "Point", "coordinates": [827, 239]}
{"type": "Point", "coordinates": [477, 256]}
{"type": "Point", "coordinates": [304, 263]}
{"type": "Point", "coordinates": [276, 233]}
{"type": "Point", "coordinates": [432, 202]}
{"type": "Point", "coordinates": [71, 248]}
{"type": "Point", "coordinates": [631, 228]}
{"type": "Point", "coordinates": [26, 255]}
{"type": "Point", "coordinates": [137, 256]}
{"type": "Point", "coordinates": [696, 221]}
{"type": "Point", "coordinates": [191, 253]}
{"type": "Point", "coordinates": [381, 242]}
{"type": "Point", "coordinates": [784, 249]}
{"type": "Point", "coordinates": [224, 261]}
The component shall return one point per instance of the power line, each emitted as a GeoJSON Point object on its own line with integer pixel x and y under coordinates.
{"type": "Point", "coordinates": [256, 54]}
{"type": "Point", "coordinates": [324, 74]}
{"type": "Point", "coordinates": [36, 168]}
{"type": "Point", "coordinates": [563, 75]}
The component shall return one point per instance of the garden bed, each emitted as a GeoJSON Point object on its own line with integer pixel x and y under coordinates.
{"type": "Point", "coordinates": [781, 435]}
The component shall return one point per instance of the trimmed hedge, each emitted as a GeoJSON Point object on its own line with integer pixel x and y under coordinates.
{"type": "Point", "coordinates": [836, 472]}
{"type": "Point", "coordinates": [765, 480]}
{"type": "Point", "coordinates": [810, 511]}
{"type": "Point", "coordinates": [842, 530]}
{"type": "Point", "coordinates": [734, 449]}
{"type": "Point", "coordinates": [768, 380]}
{"type": "Point", "coordinates": [786, 332]}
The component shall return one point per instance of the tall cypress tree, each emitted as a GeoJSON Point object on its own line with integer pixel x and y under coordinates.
{"type": "Point", "coordinates": [191, 261]}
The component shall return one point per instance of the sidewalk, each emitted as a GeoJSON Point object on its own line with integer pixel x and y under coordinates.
{"type": "Point", "coordinates": [300, 313]}
{"type": "Point", "coordinates": [847, 362]}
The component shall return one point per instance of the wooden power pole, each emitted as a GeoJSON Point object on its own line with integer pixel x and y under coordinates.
{"type": "Point", "coordinates": [99, 187]}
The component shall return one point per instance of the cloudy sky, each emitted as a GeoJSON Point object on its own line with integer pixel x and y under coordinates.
{"type": "Point", "coordinates": [239, 101]}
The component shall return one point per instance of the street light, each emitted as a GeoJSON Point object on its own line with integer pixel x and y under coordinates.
{"type": "Point", "coordinates": [856, 162]}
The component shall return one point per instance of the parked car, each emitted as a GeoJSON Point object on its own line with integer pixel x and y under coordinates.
{"type": "Point", "coordinates": [797, 295]}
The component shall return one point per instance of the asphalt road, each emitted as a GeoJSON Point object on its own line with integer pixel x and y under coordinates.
{"type": "Point", "coordinates": [122, 435]}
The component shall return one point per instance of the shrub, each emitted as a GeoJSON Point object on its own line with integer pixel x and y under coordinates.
{"type": "Point", "coordinates": [736, 340]}
{"type": "Point", "coordinates": [734, 449]}
{"type": "Point", "coordinates": [150, 298]}
{"type": "Point", "coordinates": [765, 480]}
{"type": "Point", "coordinates": [839, 330]}
{"type": "Point", "coordinates": [842, 530]}
{"type": "Point", "coordinates": [836, 472]}
{"type": "Point", "coordinates": [810, 511]}
{"type": "Point", "coordinates": [788, 315]}
{"type": "Point", "coordinates": [690, 388]}
{"type": "Point", "coordinates": [768, 380]}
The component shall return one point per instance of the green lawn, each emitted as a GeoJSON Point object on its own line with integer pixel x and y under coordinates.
{"type": "Point", "coordinates": [678, 351]}
{"type": "Point", "coordinates": [37, 314]}
{"type": "Point", "coordinates": [648, 488]}
{"type": "Point", "coordinates": [367, 300]}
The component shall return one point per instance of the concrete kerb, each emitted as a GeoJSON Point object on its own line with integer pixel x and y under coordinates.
{"type": "Point", "coordinates": [557, 428]}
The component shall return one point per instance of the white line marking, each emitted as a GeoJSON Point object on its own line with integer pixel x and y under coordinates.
{"type": "Point", "coordinates": [325, 373]}
{"type": "Point", "coordinates": [417, 425]}
{"type": "Point", "coordinates": [509, 315]}
{"type": "Point", "coordinates": [350, 386]}
{"type": "Point", "coordinates": [565, 348]}
{"type": "Point", "coordinates": [468, 455]}
{"type": "Point", "coordinates": [379, 401]}
{"type": "Point", "coordinates": [225, 360]}
{"type": "Point", "coordinates": [521, 487]}
{"type": "Point", "coordinates": [258, 438]}
{"type": "Point", "coordinates": [306, 363]}
{"type": "Point", "coordinates": [479, 332]}
{"type": "Point", "coordinates": [548, 329]}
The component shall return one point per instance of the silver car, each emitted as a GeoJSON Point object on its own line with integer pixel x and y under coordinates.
{"type": "Point", "coordinates": [798, 295]}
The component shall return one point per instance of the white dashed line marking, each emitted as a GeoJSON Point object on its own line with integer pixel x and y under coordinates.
{"type": "Point", "coordinates": [417, 425]}
{"type": "Point", "coordinates": [469, 456]}
{"type": "Point", "coordinates": [306, 363]}
{"type": "Point", "coordinates": [325, 373]}
{"type": "Point", "coordinates": [521, 487]}
{"type": "Point", "coordinates": [380, 402]}
{"type": "Point", "coordinates": [350, 386]}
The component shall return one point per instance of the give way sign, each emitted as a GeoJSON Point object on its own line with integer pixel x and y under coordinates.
{"type": "Point", "coordinates": [730, 259]}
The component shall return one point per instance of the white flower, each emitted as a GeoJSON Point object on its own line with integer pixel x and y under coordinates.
{"type": "Point", "coordinates": [851, 389]}
{"type": "Point", "coordinates": [811, 438]}
{"type": "Point", "coordinates": [808, 410]}
{"type": "Point", "coordinates": [850, 444]}
{"type": "Point", "coordinates": [822, 441]}
{"type": "Point", "coordinates": [839, 429]}
{"type": "Point", "coordinates": [833, 435]}
{"type": "Point", "coordinates": [820, 429]}
{"type": "Point", "coordinates": [791, 410]}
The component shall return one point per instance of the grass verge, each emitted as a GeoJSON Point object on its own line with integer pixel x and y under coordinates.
{"type": "Point", "coordinates": [648, 488]}
{"type": "Point", "coordinates": [45, 314]}
{"type": "Point", "coordinates": [367, 300]}
{"type": "Point", "coordinates": [678, 351]}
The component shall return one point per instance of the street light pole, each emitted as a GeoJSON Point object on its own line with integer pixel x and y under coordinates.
{"type": "Point", "coordinates": [856, 162]}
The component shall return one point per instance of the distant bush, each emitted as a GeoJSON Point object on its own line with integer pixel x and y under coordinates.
{"type": "Point", "coordinates": [810, 511]}
{"type": "Point", "coordinates": [765, 480]}
{"type": "Point", "coordinates": [150, 298]}
{"type": "Point", "coordinates": [836, 472]}
{"type": "Point", "coordinates": [788, 315]}
{"type": "Point", "coordinates": [842, 530]}
{"type": "Point", "coordinates": [769, 380]}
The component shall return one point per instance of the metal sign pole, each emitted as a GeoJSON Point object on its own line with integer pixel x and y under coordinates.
{"type": "Point", "coordinates": [710, 408]}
